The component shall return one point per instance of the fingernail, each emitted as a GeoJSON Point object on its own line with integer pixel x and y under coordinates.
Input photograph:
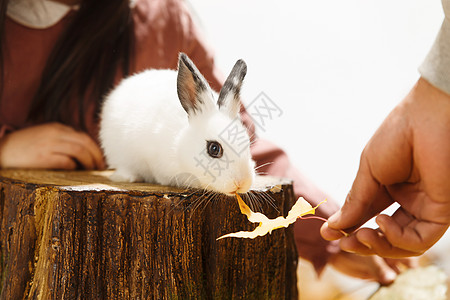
{"type": "Point", "coordinates": [389, 277]}
{"type": "Point", "coordinates": [348, 250]}
{"type": "Point", "coordinates": [381, 225]}
{"type": "Point", "coordinates": [366, 244]}
{"type": "Point", "coordinates": [334, 218]}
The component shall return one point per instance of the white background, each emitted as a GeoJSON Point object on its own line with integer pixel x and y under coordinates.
{"type": "Point", "coordinates": [335, 68]}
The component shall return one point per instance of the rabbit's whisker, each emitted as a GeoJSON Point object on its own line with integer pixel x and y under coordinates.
{"type": "Point", "coordinates": [263, 165]}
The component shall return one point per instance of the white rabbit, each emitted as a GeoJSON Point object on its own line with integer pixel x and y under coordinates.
{"type": "Point", "coordinates": [164, 126]}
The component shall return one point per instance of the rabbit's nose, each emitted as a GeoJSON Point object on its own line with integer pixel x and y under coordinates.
{"type": "Point", "coordinates": [243, 185]}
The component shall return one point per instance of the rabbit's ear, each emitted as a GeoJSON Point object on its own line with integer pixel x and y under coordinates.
{"type": "Point", "coordinates": [229, 97]}
{"type": "Point", "coordinates": [190, 84]}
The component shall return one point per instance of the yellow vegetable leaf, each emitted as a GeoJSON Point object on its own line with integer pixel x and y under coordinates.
{"type": "Point", "coordinates": [266, 225]}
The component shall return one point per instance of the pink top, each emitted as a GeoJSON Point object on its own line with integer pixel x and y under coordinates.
{"type": "Point", "coordinates": [163, 28]}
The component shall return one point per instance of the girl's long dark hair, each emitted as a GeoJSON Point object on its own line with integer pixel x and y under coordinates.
{"type": "Point", "coordinates": [84, 61]}
{"type": "Point", "coordinates": [3, 6]}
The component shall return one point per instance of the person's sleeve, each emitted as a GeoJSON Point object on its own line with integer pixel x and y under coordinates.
{"type": "Point", "coordinates": [436, 67]}
{"type": "Point", "coordinates": [310, 244]}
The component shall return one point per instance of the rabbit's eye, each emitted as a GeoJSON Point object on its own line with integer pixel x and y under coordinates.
{"type": "Point", "coordinates": [214, 149]}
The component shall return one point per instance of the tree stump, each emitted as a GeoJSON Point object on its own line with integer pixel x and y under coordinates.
{"type": "Point", "coordinates": [77, 235]}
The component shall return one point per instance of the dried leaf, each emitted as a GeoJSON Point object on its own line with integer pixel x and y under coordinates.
{"type": "Point", "coordinates": [266, 225]}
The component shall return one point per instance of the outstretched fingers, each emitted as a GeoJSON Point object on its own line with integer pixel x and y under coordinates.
{"type": "Point", "coordinates": [368, 241]}
{"type": "Point", "coordinates": [402, 230]}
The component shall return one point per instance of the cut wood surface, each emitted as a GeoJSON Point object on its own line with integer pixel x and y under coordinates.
{"type": "Point", "coordinates": [77, 235]}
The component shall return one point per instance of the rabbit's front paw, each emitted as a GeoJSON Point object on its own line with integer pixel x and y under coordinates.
{"type": "Point", "coordinates": [124, 176]}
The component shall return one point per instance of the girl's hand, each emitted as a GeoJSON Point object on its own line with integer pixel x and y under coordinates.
{"type": "Point", "coordinates": [50, 146]}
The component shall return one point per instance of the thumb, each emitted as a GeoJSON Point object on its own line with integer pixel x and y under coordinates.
{"type": "Point", "coordinates": [366, 199]}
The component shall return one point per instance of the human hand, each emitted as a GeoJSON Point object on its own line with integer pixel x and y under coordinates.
{"type": "Point", "coordinates": [406, 161]}
{"type": "Point", "coordinates": [374, 268]}
{"type": "Point", "coordinates": [49, 146]}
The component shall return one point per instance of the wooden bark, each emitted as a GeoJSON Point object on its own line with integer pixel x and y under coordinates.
{"type": "Point", "coordinates": [76, 235]}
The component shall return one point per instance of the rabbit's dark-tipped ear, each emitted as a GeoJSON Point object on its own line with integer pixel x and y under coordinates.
{"type": "Point", "coordinates": [190, 84]}
{"type": "Point", "coordinates": [229, 97]}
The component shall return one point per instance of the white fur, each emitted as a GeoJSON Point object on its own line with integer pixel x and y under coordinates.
{"type": "Point", "coordinates": [147, 136]}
